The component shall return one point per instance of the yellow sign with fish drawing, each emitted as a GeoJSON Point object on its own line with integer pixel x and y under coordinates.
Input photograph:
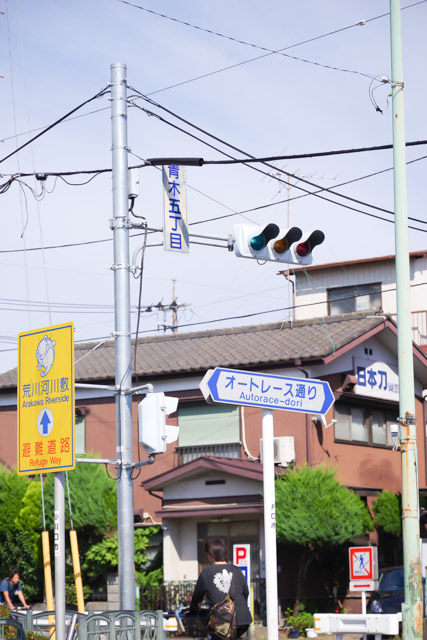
{"type": "Point", "coordinates": [45, 399]}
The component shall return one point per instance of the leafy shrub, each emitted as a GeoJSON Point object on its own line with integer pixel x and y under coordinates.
{"type": "Point", "coordinates": [387, 512]}
{"type": "Point", "coordinates": [304, 620]}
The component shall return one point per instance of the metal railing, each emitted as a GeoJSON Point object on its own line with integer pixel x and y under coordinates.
{"type": "Point", "coordinates": [108, 625]}
{"type": "Point", "coordinates": [419, 326]}
{"type": "Point", "coordinates": [167, 596]}
{"type": "Point", "coordinates": [226, 450]}
{"type": "Point", "coordinates": [121, 625]}
{"type": "Point", "coordinates": [5, 629]}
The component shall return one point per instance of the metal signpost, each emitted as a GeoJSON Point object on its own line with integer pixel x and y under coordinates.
{"type": "Point", "coordinates": [45, 440]}
{"type": "Point", "coordinates": [242, 559]}
{"type": "Point", "coordinates": [248, 388]}
{"type": "Point", "coordinates": [363, 563]}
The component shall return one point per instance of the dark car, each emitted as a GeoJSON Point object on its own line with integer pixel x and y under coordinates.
{"type": "Point", "coordinates": [390, 593]}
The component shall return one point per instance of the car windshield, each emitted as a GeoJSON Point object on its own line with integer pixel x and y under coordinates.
{"type": "Point", "coordinates": [391, 581]}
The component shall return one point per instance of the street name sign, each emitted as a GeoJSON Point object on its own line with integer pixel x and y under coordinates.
{"type": "Point", "coordinates": [363, 566]}
{"type": "Point", "coordinates": [45, 399]}
{"type": "Point", "coordinates": [231, 386]}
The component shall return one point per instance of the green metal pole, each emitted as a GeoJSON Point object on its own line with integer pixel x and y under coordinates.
{"type": "Point", "coordinates": [412, 607]}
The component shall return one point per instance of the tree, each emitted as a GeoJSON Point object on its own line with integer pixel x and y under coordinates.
{"type": "Point", "coordinates": [93, 501]}
{"type": "Point", "coordinates": [387, 511]}
{"type": "Point", "coordinates": [103, 558]}
{"type": "Point", "coordinates": [12, 490]}
{"type": "Point", "coordinates": [19, 545]}
{"type": "Point", "coordinates": [313, 511]}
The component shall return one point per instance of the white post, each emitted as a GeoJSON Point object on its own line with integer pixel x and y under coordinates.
{"type": "Point", "coordinates": [59, 544]}
{"type": "Point", "coordinates": [270, 525]}
{"type": "Point", "coordinates": [364, 602]}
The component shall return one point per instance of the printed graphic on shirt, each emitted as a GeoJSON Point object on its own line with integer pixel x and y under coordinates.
{"type": "Point", "coordinates": [222, 581]}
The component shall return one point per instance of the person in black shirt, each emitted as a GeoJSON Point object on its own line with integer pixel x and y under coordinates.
{"type": "Point", "coordinates": [219, 579]}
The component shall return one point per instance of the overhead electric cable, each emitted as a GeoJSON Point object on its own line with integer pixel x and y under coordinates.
{"type": "Point", "coordinates": [304, 195]}
{"type": "Point", "coordinates": [65, 246]}
{"type": "Point", "coordinates": [246, 315]}
{"type": "Point", "coordinates": [54, 124]}
{"type": "Point", "coordinates": [315, 154]}
{"type": "Point", "coordinates": [287, 173]}
{"type": "Point", "coordinates": [269, 51]}
{"type": "Point", "coordinates": [82, 115]}
{"type": "Point", "coordinates": [250, 160]}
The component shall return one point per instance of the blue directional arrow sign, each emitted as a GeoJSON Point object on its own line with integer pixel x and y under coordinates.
{"type": "Point", "coordinates": [45, 422]}
{"type": "Point", "coordinates": [231, 386]}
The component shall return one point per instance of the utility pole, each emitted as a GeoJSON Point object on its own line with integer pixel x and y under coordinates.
{"type": "Point", "coordinates": [412, 614]}
{"type": "Point", "coordinates": [122, 335]}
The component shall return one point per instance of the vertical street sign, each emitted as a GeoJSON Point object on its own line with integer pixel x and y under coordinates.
{"type": "Point", "coordinates": [363, 565]}
{"type": "Point", "coordinates": [242, 559]}
{"type": "Point", "coordinates": [175, 209]}
{"type": "Point", "coordinates": [45, 399]}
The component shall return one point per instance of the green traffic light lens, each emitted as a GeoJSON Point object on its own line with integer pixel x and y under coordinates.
{"type": "Point", "coordinates": [260, 241]}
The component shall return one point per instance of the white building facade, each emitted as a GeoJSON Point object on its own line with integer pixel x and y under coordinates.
{"type": "Point", "coordinates": [360, 286]}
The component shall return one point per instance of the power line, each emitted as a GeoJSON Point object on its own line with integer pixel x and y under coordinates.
{"type": "Point", "coordinates": [269, 51]}
{"type": "Point", "coordinates": [314, 193]}
{"type": "Point", "coordinates": [65, 246]}
{"type": "Point", "coordinates": [304, 195]}
{"type": "Point", "coordinates": [316, 154]}
{"type": "Point", "coordinates": [54, 124]}
{"type": "Point", "coordinates": [26, 133]}
{"type": "Point", "coordinates": [248, 315]}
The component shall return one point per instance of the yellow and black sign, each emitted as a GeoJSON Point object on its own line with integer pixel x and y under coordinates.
{"type": "Point", "coordinates": [46, 400]}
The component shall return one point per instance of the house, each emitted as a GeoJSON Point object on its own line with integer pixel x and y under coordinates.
{"type": "Point", "coordinates": [210, 481]}
{"type": "Point", "coordinates": [360, 285]}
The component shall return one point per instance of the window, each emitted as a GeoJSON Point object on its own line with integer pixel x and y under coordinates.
{"type": "Point", "coordinates": [80, 435]}
{"type": "Point", "coordinates": [208, 430]}
{"type": "Point", "coordinates": [363, 425]}
{"type": "Point", "coordinates": [360, 297]}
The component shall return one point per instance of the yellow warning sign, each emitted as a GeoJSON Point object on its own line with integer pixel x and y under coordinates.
{"type": "Point", "coordinates": [46, 400]}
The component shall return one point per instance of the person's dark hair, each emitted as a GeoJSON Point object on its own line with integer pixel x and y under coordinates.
{"type": "Point", "coordinates": [13, 573]}
{"type": "Point", "coordinates": [217, 548]}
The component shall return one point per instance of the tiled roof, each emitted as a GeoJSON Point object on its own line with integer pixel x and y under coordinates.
{"type": "Point", "coordinates": [349, 263]}
{"type": "Point", "coordinates": [243, 347]}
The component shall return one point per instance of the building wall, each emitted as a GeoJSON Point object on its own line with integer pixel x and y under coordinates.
{"type": "Point", "coordinates": [311, 285]}
{"type": "Point", "coordinates": [180, 549]}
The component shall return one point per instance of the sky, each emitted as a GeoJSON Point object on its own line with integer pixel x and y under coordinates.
{"type": "Point", "coordinates": [217, 73]}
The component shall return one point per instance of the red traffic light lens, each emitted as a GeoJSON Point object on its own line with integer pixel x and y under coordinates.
{"type": "Point", "coordinates": [303, 249]}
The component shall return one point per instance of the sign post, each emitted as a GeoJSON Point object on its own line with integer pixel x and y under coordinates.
{"type": "Point", "coordinates": [251, 389]}
{"type": "Point", "coordinates": [363, 563]}
{"type": "Point", "coordinates": [45, 440]}
{"type": "Point", "coordinates": [242, 559]}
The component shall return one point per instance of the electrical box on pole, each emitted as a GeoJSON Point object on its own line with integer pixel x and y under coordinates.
{"type": "Point", "coordinates": [154, 433]}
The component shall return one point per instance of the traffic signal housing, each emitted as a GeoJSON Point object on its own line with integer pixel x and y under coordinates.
{"type": "Point", "coordinates": [154, 433]}
{"type": "Point", "coordinates": [276, 244]}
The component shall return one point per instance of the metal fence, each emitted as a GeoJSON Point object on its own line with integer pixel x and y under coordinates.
{"type": "Point", "coordinates": [168, 596]}
{"type": "Point", "coordinates": [108, 625]}
{"type": "Point", "coordinates": [11, 629]}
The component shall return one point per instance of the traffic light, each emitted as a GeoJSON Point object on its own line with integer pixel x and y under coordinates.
{"type": "Point", "coordinates": [154, 433]}
{"type": "Point", "coordinates": [276, 244]}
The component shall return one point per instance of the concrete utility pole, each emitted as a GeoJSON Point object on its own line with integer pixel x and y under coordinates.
{"type": "Point", "coordinates": [120, 225]}
{"type": "Point", "coordinates": [412, 614]}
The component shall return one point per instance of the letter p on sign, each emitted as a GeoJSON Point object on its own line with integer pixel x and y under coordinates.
{"type": "Point", "coordinates": [241, 555]}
